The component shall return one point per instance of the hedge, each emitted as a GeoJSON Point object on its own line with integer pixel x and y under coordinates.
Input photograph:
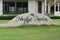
{"type": "Point", "coordinates": [55, 17]}
{"type": "Point", "coordinates": [11, 17]}
{"type": "Point", "coordinates": [6, 17]}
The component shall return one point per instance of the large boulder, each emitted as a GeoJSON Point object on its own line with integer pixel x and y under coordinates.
{"type": "Point", "coordinates": [29, 19]}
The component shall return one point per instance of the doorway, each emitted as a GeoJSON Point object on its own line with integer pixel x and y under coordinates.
{"type": "Point", "coordinates": [39, 6]}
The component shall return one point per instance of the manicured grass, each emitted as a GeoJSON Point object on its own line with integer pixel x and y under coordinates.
{"type": "Point", "coordinates": [30, 32]}
{"type": "Point", "coordinates": [4, 21]}
{"type": "Point", "coordinates": [56, 20]}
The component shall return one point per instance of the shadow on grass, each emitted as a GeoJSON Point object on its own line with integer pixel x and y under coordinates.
{"type": "Point", "coordinates": [32, 26]}
{"type": "Point", "coordinates": [28, 26]}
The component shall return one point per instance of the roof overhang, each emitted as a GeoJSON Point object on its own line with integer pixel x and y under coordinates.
{"type": "Point", "coordinates": [15, 0]}
{"type": "Point", "coordinates": [52, 2]}
{"type": "Point", "coordinates": [56, 1]}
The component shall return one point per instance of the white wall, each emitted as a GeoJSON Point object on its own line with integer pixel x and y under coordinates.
{"type": "Point", "coordinates": [43, 7]}
{"type": "Point", "coordinates": [57, 13]}
{"type": "Point", "coordinates": [1, 7]}
{"type": "Point", "coordinates": [33, 6]}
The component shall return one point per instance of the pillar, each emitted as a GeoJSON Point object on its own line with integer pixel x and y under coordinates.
{"type": "Point", "coordinates": [1, 7]}
{"type": "Point", "coordinates": [48, 8]}
{"type": "Point", "coordinates": [54, 7]}
{"type": "Point", "coordinates": [45, 6]}
{"type": "Point", "coordinates": [58, 7]}
{"type": "Point", "coordinates": [32, 6]}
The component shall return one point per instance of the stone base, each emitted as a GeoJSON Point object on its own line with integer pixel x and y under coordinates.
{"type": "Point", "coordinates": [29, 19]}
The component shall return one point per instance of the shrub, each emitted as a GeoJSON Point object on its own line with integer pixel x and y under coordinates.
{"type": "Point", "coordinates": [11, 17]}
{"type": "Point", "coordinates": [55, 17]}
{"type": "Point", "coordinates": [6, 17]}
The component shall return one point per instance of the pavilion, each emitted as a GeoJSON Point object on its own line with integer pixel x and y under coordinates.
{"type": "Point", "coordinates": [30, 6]}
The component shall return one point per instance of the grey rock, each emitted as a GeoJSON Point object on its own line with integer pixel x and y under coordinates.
{"type": "Point", "coordinates": [29, 19]}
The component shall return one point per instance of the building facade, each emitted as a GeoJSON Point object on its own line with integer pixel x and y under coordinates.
{"type": "Point", "coordinates": [30, 6]}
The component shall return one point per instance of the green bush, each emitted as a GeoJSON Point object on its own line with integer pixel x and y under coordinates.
{"type": "Point", "coordinates": [55, 17]}
{"type": "Point", "coordinates": [11, 17]}
{"type": "Point", "coordinates": [6, 17]}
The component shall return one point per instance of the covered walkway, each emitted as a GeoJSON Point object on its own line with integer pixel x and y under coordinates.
{"type": "Point", "coordinates": [30, 6]}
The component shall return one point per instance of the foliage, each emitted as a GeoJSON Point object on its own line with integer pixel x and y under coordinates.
{"type": "Point", "coordinates": [11, 17]}
{"type": "Point", "coordinates": [6, 17]}
{"type": "Point", "coordinates": [55, 17]}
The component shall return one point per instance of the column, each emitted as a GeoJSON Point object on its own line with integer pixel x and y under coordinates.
{"type": "Point", "coordinates": [48, 8]}
{"type": "Point", "coordinates": [58, 7]}
{"type": "Point", "coordinates": [45, 6]}
{"type": "Point", "coordinates": [1, 7]}
{"type": "Point", "coordinates": [33, 6]}
{"type": "Point", "coordinates": [54, 7]}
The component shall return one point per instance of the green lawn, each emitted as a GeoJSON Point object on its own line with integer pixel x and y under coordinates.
{"type": "Point", "coordinates": [56, 20]}
{"type": "Point", "coordinates": [30, 32]}
{"type": "Point", "coordinates": [4, 21]}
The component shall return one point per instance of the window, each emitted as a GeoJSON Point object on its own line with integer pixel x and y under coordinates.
{"type": "Point", "coordinates": [18, 7]}
{"type": "Point", "coordinates": [56, 7]}
{"type": "Point", "coordinates": [22, 7]}
{"type": "Point", "coordinates": [59, 7]}
{"type": "Point", "coordinates": [52, 9]}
